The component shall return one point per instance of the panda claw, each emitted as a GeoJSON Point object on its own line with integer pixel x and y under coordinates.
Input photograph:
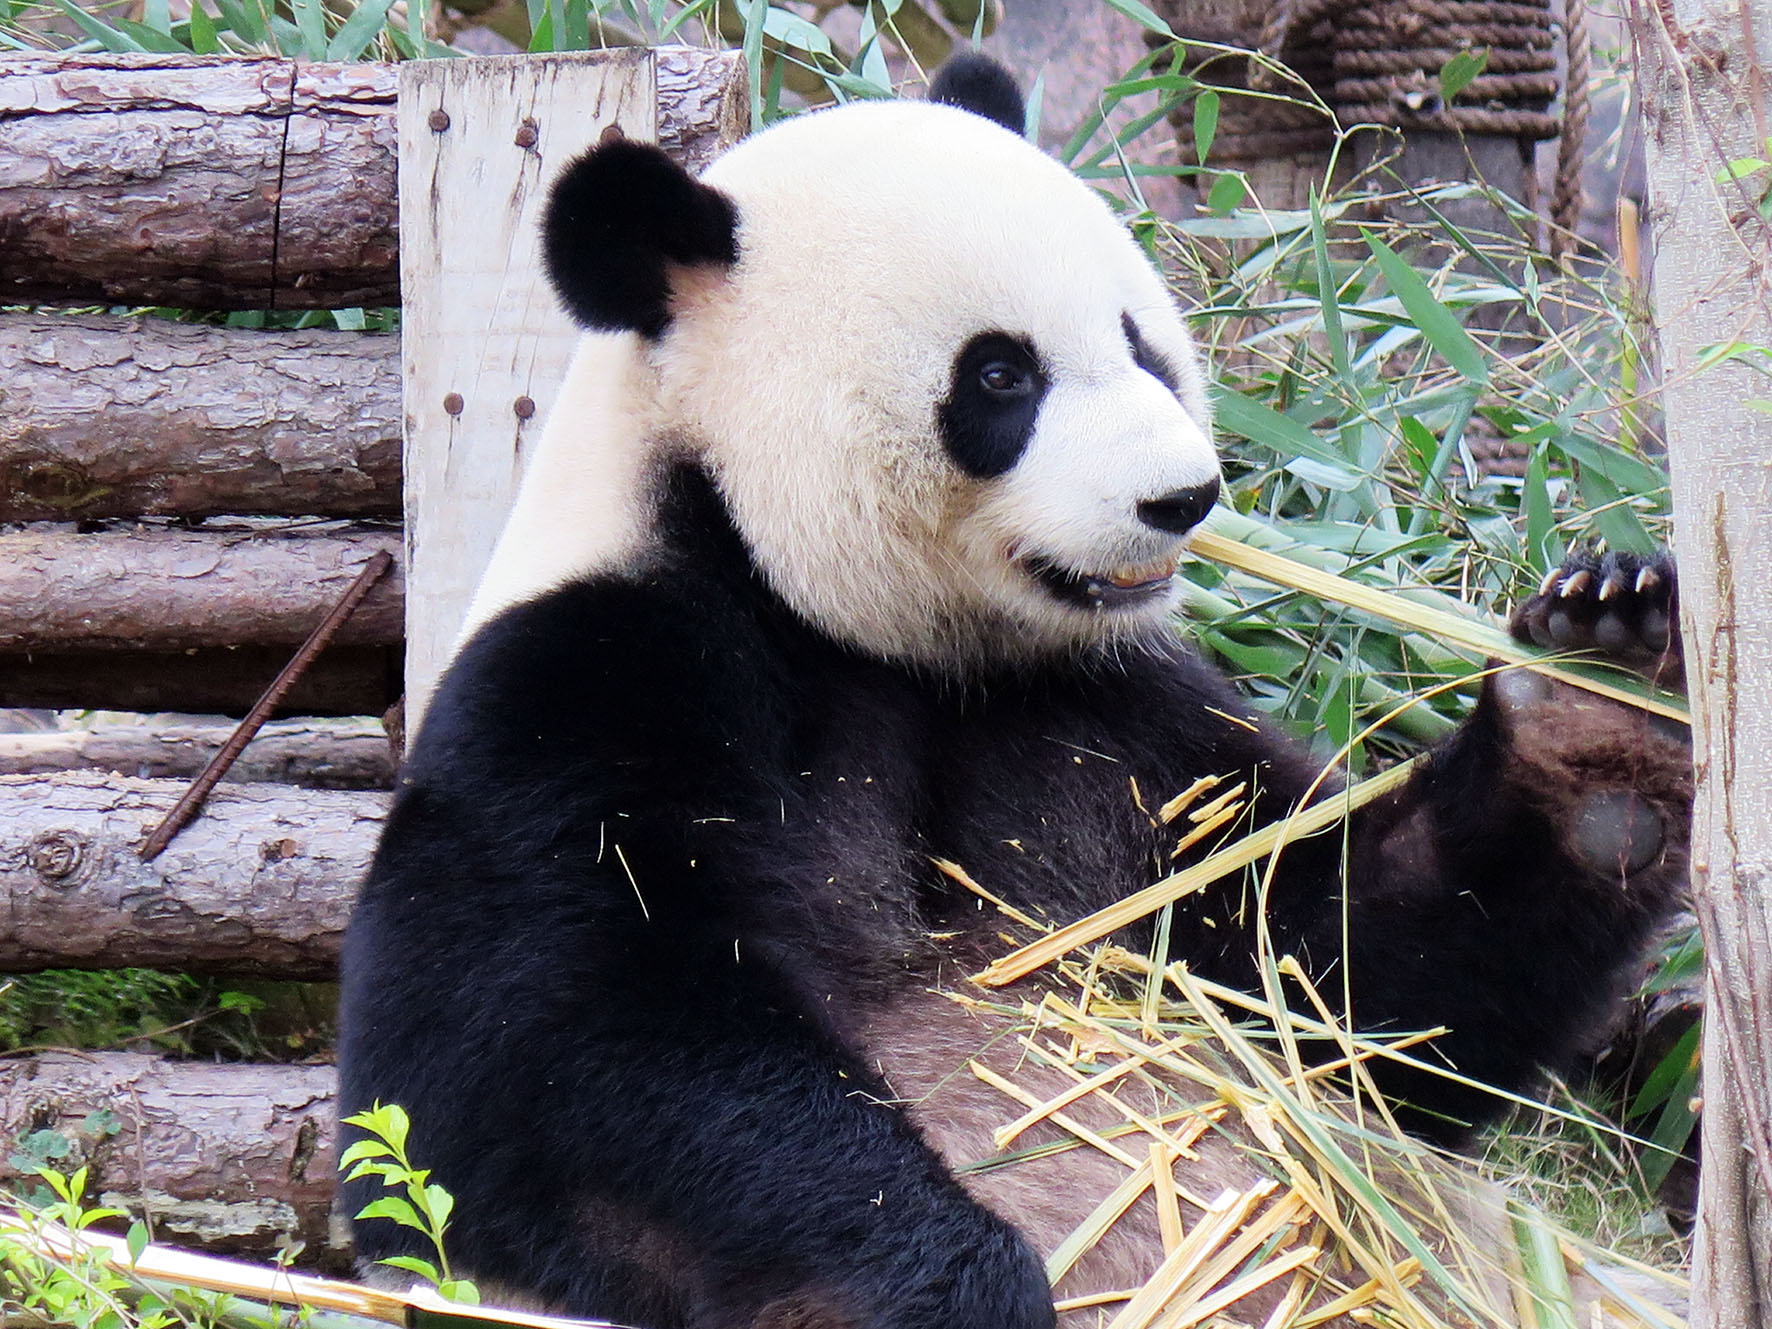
{"type": "Point", "coordinates": [1576, 583]}
{"type": "Point", "coordinates": [1647, 579]}
{"type": "Point", "coordinates": [1549, 584]}
{"type": "Point", "coordinates": [1614, 585]}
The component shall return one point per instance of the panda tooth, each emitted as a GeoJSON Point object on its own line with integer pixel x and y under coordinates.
{"type": "Point", "coordinates": [1144, 573]}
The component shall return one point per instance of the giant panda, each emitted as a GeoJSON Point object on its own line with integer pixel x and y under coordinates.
{"type": "Point", "coordinates": [851, 545]}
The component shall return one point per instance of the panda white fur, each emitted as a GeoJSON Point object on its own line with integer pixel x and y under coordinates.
{"type": "Point", "coordinates": [850, 545]}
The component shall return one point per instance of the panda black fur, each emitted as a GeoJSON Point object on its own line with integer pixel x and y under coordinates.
{"type": "Point", "coordinates": [850, 546]}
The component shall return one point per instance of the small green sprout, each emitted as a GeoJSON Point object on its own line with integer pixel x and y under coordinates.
{"type": "Point", "coordinates": [424, 1206]}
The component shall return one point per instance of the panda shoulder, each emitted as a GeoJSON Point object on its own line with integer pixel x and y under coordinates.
{"type": "Point", "coordinates": [599, 668]}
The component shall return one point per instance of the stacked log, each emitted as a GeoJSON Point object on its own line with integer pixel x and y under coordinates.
{"type": "Point", "coordinates": [211, 183]}
{"type": "Point", "coordinates": [129, 417]}
{"type": "Point", "coordinates": [316, 754]}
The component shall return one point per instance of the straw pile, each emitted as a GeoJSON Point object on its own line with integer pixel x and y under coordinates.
{"type": "Point", "coordinates": [1331, 1216]}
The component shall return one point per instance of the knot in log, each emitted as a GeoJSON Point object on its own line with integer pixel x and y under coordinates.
{"type": "Point", "coordinates": [58, 857]}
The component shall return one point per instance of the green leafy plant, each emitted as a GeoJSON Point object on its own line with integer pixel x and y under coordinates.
{"type": "Point", "coordinates": [82, 1290]}
{"type": "Point", "coordinates": [303, 29]}
{"type": "Point", "coordinates": [419, 1203]}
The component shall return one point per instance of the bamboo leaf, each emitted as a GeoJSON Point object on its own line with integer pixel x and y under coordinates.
{"type": "Point", "coordinates": [359, 30]}
{"type": "Point", "coordinates": [151, 39]}
{"type": "Point", "coordinates": [1479, 638]}
{"type": "Point", "coordinates": [1543, 549]}
{"type": "Point", "coordinates": [1143, 15]}
{"type": "Point", "coordinates": [1227, 193]}
{"type": "Point", "coordinates": [1205, 124]}
{"type": "Point", "coordinates": [1262, 424]}
{"type": "Point", "coordinates": [245, 20]}
{"type": "Point", "coordinates": [310, 21]}
{"type": "Point", "coordinates": [106, 36]}
{"type": "Point", "coordinates": [756, 14]}
{"type": "Point", "coordinates": [1458, 72]}
{"type": "Point", "coordinates": [1326, 292]}
{"type": "Point", "coordinates": [1437, 323]}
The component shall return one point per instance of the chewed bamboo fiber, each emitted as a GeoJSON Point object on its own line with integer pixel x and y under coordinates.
{"type": "Point", "coordinates": [1321, 1241]}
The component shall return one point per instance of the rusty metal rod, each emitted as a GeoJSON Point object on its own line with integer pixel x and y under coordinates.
{"type": "Point", "coordinates": [192, 801]}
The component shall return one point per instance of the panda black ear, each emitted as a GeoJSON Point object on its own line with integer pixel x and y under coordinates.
{"type": "Point", "coordinates": [977, 83]}
{"type": "Point", "coordinates": [619, 219]}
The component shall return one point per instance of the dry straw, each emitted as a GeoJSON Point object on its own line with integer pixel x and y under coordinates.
{"type": "Point", "coordinates": [1343, 1219]}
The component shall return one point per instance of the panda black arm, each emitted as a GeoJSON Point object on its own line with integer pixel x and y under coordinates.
{"type": "Point", "coordinates": [1505, 892]}
{"type": "Point", "coordinates": [562, 969]}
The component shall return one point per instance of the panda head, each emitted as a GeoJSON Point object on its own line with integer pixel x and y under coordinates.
{"type": "Point", "coordinates": [953, 410]}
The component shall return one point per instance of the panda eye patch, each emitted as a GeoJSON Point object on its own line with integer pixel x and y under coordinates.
{"type": "Point", "coordinates": [1147, 358]}
{"type": "Point", "coordinates": [995, 389]}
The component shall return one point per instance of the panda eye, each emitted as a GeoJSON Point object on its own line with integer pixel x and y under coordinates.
{"type": "Point", "coordinates": [1003, 379]}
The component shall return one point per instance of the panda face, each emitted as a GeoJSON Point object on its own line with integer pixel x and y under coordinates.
{"type": "Point", "coordinates": [1091, 474]}
{"type": "Point", "coordinates": [952, 408]}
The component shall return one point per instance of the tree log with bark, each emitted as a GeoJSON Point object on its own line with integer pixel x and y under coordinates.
{"type": "Point", "coordinates": [115, 417]}
{"type": "Point", "coordinates": [235, 182]}
{"type": "Point", "coordinates": [312, 753]}
{"type": "Point", "coordinates": [174, 590]}
{"type": "Point", "coordinates": [234, 1159]}
{"type": "Point", "coordinates": [1705, 103]}
{"type": "Point", "coordinates": [261, 883]}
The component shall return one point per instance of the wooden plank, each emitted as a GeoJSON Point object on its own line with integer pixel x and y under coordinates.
{"type": "Point", "coordinates": [127, 417]}
{"type": "Point", "coordinates": [260, 883]}
{"type": "Point", "coordinates": [485, 345]}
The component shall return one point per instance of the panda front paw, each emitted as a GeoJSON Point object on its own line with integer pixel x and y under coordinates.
{"type": "Point", "coordinates": [1624, 605]}
{"type": "Point", "coordinates": [1615, 781]}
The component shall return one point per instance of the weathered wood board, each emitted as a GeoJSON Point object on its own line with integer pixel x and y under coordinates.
{"type": "Point", "coordinates": [485, 344]}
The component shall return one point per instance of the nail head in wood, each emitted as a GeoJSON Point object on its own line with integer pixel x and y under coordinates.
{"type": "Point", "coordinates": [453, 403]}
{"type": "Point", "coordinates": [439, 120]}
{"type": "Point", "coordinates": [611, 134]}
{"type": "Point", "coordinates": [526, 134]}
{"type": "Point", "coordinates": [524, 407]}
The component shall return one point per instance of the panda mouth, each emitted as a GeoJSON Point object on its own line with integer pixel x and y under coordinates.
{"type": "Point", "coordinates": [1118, 588]}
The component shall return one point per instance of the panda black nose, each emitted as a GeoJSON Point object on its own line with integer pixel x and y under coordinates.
{"type": "Point", "coordinates": [1179, 510]}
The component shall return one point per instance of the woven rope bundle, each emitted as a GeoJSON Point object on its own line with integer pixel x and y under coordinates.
{"type": "Point", "coordinates": [1376, 64]}
{"type": "Point", "coordinates": [1280, 120]}
{"type": "Point", "coordinates": [1387, 59]}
